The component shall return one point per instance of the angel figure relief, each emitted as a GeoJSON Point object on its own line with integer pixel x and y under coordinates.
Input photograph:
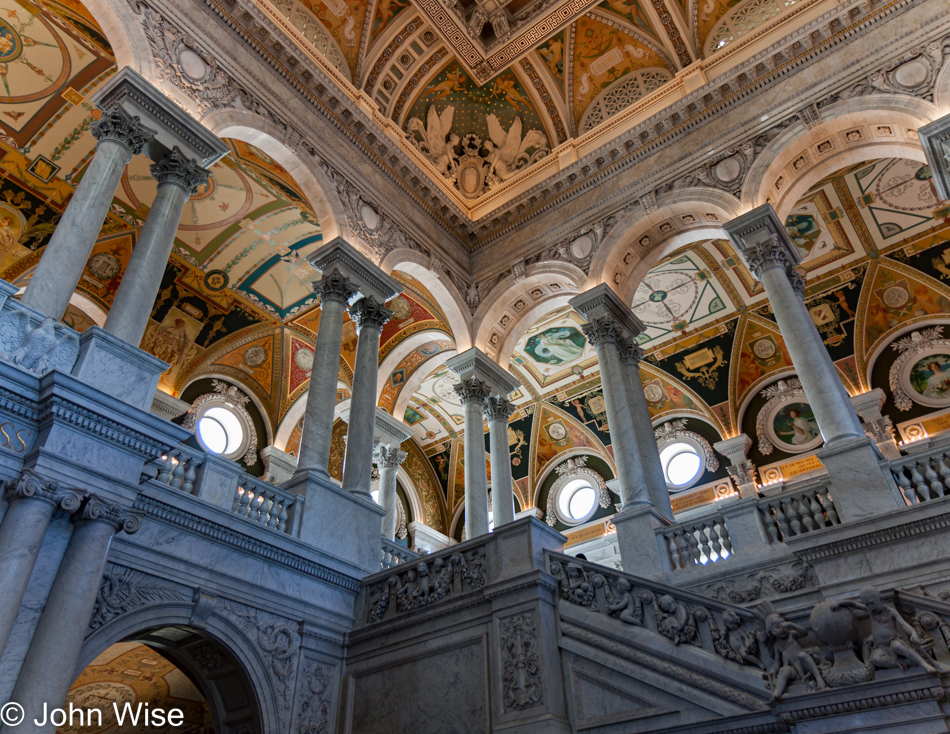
{"type": "Point", "coordinates": [508, 151]}
{"type": "Point", "coordinates": [435, 139]}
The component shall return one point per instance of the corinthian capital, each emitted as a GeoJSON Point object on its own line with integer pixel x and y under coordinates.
{"type": "Point", "coordinates": [334, 286]}
{"type": "Point", "coordinates": [602, 330]}
{"type": "Point", "coordinates": [175, 168]}
{"type": "Point", "coordinates": [771, 254]}
{"type": "Point", "coordinates": [31, 485]}
{"type": "Point", "coordinates": [472, 390]}
{"type": "Point", "coordinates": [117, 125]}
{"type": "Point", "coordinates": [95, 509]}
{"type": "Point", "coordinates": [497, 408]}
{"type": "Point", "coordinates": [630, 352]}
{"type": "Point", "coordinates": [386, 456]}
{"type": "Point", "coordinates": [369, 312]}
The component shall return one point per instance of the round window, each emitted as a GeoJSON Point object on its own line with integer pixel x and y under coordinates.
{"type": "Point", "coordinates": [222, 431]}
{"type": "Point", "coordinates": [576, 501]}
{"type": "Point", "coordinates": [682, 464]}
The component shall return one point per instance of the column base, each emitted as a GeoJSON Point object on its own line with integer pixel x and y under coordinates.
{"type": "Point", "coordinates": [636, 536]}
{"type": "Point", "coordinates": [339, 523]}
{"type": "Point", "coordinates": [118, 369]}
{"type": "Point", "coordinates": [861, 486]}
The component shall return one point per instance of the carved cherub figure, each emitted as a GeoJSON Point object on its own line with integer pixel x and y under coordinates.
{"type": "Point", "coordinates": [889, 650]}
{"type": "Point", "coordinates": [421, 593]}
{"type": "Point", "coordinates": [741, 639]}
{"type": "Point", "coordinates": [408, 591]}
{"type": "Point", "coordinates": [581, 591]}
{"type": "Point", "coordinates": [623, 603]}
{"type": "Point", "coordinates": [790, 661]}
{"type": "Point", "coordinates": [674, 621]}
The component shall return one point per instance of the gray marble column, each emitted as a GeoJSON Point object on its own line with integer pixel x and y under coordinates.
{"type": "Point", "coordinates": [388, 458]}
{"type": "Point", "coordinates": [604, 335]}
{"type": "Point", "coordinates": [472, 393]}
{"type": "Point", "coordinates": [120, 137]}
{"type": "Point", "coordinates": [370, 316]}
{"type": "Point", "coordinates": [497, 412]}
{"type": "Point", "coordinates": [657, 490]}
{"type": "Point", "coordinates": [50, 664]}
{"type": "Point", "coordinates": [33, 501]}
{"type": "Point", "coordinates": [178, 178]}
{"type": "Point", "coordinates": [335, 291]}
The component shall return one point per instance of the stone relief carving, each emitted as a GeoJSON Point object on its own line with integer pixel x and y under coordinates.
{"type": "Point", "coordinates": [473, 165]}
{"type": "Point", "coordinates": [313, 715]}
{"type": "Point", "coordinates": [521, 663]}
{"type": "Point", "coordinates": [912, 73]}
{"type": "Point", "coordinates": [236, 400]}
{"type": "Point", "coordinates": [913, 348]}
{"type": "Point", "coordinates": [761, 584]}
{"type": "Point", "coordinates": [427, 582]}
{"type": "Point", "coordinates": [207, 656]}
{"type": "Point", "coordinates": [31, 485]}
{"type": "Point", "coordinates": [675, 430]}
{"type": "Point", "coordinates": [278, 641]}
{"type": "Point", "coordinates": [122, 590]}
{"type": "Point", "coordinates": [40, 349]}
{"type": "Point", "coordinates": [781, 392]}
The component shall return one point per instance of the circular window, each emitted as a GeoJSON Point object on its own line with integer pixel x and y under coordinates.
{"type": "Point", "coordinates": [682, 464]}
{"type": "Point", "coordinates": [222, 431]}
{"type": "Point", "coordinates": [576, 501]}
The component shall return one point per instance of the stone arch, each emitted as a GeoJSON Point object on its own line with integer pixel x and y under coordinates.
{"type": "Point", "coordinates": [243, 676]}
{"type": "Point", "coordinates": [892, 335]}
{"type": "Point", "coordinates": [770, 379]}
{"type": "Point", "coordinates": [851, 131]}
{"type": "Point", "coordinates": [126, 35]}
{"type": "Point", "coordinates": [316, 183]}
{"type": "Point", "coordinates": [398, 353]}
{"type": "Point", "coordinates": [451, 302]}
{"type": "Point", "coordinates": [417, 377]}
{"type": "Point", "coordinates": [510, 308]}
{"type": "Point", "coordinates": [412, 494]}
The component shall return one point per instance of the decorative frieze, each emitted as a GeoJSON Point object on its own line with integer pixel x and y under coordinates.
{"type": "Point", "coordinates": [521, 662]}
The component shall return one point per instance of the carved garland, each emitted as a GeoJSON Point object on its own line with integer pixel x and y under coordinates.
{"type": "Point", "coordinates": [781, 392]}
{"type": "Point", "coordinates": [913, 348]}
{"type": "Point", "coordinates": [570, 470]}
{"type": "Point", "coordinates": [675, 430]}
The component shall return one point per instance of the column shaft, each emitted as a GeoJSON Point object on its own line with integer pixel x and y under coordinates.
{"type": "Point", "coordinates": [497, 411]}
{"type": "Point", "coordinates": [49, 667]}
{"type": "Point", "coordinates": [826, 395]}
{"type": "Point", "coordinates": [473, 393]}
{"type": "Point", "coordinates": [388, 459]}
{"type": "Point", "coordinates": [178, 179]}
{"type": "Point", "coordinates": [63, 260]}
{"type": "Point", "coordinates": [370, 316]}
{"type": "Point", "coordinates": [314, 452]}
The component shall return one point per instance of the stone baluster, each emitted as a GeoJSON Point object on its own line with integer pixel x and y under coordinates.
{"type": "Point", "coordinates": [50, 664]}
{"type": "Point", "coordinates": [335, 291]}
{"type": "Point", "coordinates": [178, 178]}
{"type": "Point", "coordinates": [473, 392]}
{"type": "Point", "coordinates": [497, 412]}
{"type": "Point", "coordinates": [33, 501]}
{"type": "Point", "coordinates": [861, 487]}
{"type": "Point", "coordinates": [369, 315]}
{"type": "Point", "coordinates": [119, 136]}
{"type": "Point", "coordinates": [388, 458]}
{"type": "Point", "coordinates": [645, 439]}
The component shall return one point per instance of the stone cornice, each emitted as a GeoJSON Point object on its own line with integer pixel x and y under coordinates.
{"type": "Point", "coordinates": [58, 409]}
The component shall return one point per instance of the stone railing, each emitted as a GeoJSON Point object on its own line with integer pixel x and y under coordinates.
{"type": "Point", "coordinates": [696, 542]}
{"type": "Point", "coordinates": [392, 554]}
{"type": "Point", "coordinates": [798, 511]}
{"type": "Point", "coordinates": [729, 631]}
{"type": "Point", "coordinates": [923, 476]}
{"type": "Point", "coordinates": [176, 469]}
{"type": "Point", "coordinates": [264, 503]}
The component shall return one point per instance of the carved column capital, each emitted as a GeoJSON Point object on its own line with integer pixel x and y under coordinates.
{"type": "Point", "coordinates": [95, 509]}
{"type": "Point", "coordinates": [31, 485]}
{"type": "Point", "coordinates": [175, 168]}
{"type": "Point", "coordinates": [472, 390]}
{"type": "Point", "coordinates": [334, 286]}
{"type": "Point", "coordinates": [117, 125]}
{"type": "Point", "coordinates": [386, 456]}
{"type": "Point", "coordinates": [630, 352]}
{"type": "Point", "coordinates": [369, 312]}
{"type": "Point", "coordinates": [770, 254]}
{"type": "Point", "coordinates": [602, 330]}
{"type": "Point", "coordinates": [497, 408]}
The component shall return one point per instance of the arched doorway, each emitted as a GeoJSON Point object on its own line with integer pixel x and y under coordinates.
{"type": "Point", "coordinates": [166, 669]}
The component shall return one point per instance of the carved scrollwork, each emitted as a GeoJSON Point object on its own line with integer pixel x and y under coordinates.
{"type": "Point", "coordinates": [235, 400]}
{"type": "Point", "coordinates": [122, 590]}
{"type": "Point", "coordinates": [521, 677]}
{"type": "Point", "coordinates": [675, 430]}
{"type": "Point", "coordinates": [575, 468]}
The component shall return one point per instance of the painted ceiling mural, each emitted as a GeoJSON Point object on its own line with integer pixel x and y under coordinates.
{"type": "Point", "coordinates": [235, 302]}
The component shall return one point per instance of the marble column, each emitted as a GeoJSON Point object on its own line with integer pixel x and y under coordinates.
{"type": "Point", "coordinates": [388, 458]}
{"type": "Point", "coordinates": [861, 487]}
{"type": "Point", "coordinates": [50, 664]}
{"type": "Point", "coordinates": [742, 471]}
{"type": "Point", "coordinates": [335, 292]}
{"type": "Point", "coordinates": [120, 137]}
{"type": "Point", "coordinates": [497, 412]}
{"type": "Point", "coordinates": [33, 501]}
{"type": "Point", "coordinates": [473, 392]}
{"type": "Point", "coordinates": [657, 490]}
{"type": "Point", "coordinates": [935, 140]}
{"type": "Point", "coordinates": [178, 178]}
{"type": "Point", "coordinates": [370, 316]}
